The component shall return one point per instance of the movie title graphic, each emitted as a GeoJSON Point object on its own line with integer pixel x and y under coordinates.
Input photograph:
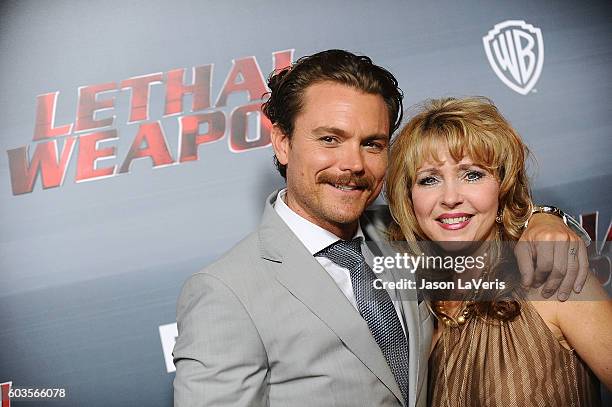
{"type": "Point", "coordinates": [57, 145]}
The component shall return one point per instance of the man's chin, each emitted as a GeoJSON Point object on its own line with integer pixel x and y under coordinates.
{"type": "Point", "coordinates": [344, 216]}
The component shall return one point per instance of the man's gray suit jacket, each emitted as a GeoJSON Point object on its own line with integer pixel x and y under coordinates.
{"type": "Point", "coordinates": [267, 326]}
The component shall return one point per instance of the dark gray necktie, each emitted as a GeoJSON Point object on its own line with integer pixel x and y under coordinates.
{"type": "Point", "coordinates": [375, 306]}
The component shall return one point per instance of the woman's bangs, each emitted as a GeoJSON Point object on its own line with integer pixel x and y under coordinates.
{"type": "Point", "coordinates": [480, 147]}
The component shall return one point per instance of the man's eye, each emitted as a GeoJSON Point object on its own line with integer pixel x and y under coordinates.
{"type": "Point", "coordinates": [328, 139]}
{"type": "Point", "coordinates": [374, 145]}
{"type": "Point", "coordinates": [427, 181]}
{"type": "Point", "coordinates": [473, 175]}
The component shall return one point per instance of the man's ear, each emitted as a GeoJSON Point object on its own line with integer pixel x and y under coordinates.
{"type": "Point", "coordinates": [280, 144]}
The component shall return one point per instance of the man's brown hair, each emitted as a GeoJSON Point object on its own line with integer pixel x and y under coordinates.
{"type": "Point", "coordinates": [356, 71]}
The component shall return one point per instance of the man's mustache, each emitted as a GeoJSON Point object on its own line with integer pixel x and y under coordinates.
{"type": "Point", "coordinates": [361, 182]}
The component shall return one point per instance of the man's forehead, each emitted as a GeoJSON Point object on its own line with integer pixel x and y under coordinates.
{"type": "Point", "coordinates": [332, 103]}
{"type": "Point", "coordinates": [331, 87]}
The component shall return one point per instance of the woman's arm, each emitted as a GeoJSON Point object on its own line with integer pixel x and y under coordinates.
{"type": "Point", "coordinates": [586, 323]}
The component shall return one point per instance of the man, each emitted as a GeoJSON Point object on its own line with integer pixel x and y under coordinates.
{"type": "Point", "coordinates": [289, 317]}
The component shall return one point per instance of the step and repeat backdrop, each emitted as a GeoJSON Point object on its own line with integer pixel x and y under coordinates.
{"type": "Point", "coordinates": [133, 151]}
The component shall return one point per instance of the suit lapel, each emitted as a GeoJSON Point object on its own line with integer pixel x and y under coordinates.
{"type": "Point", "coordinates": [373, 228]}
{"type": "Point", "coordinates": [413, 323]}
{"type": "Point", "coordinates": [300, 273]}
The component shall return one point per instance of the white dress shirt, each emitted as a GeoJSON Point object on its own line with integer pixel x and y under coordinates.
{"type": "Point", "coordinates": [315, 239]}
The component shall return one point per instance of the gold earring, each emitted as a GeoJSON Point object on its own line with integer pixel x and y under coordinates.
{"type": "Point", "coordinates": [499, 218]}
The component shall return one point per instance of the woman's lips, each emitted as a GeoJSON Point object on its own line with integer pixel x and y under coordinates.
{"type": "Point", "coordinates": [454, 221]}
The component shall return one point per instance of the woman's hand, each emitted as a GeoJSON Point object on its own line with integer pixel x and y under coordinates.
{"type": "Point", "coordinates": [551, 253]}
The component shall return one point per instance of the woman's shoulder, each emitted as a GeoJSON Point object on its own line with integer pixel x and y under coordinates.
{"type": "Point", "coordinates": [557, 314]}
{"type": "Point", "coordinates": [592, 302]}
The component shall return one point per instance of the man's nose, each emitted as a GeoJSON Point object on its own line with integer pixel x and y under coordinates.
{"type": "Point", "coordinates": [451, 196]}
{"type": "Point", "coordinates": [351, 159]}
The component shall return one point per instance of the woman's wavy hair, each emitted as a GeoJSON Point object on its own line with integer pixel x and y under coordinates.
{"type": "Point", "coordinates": [471, 127]}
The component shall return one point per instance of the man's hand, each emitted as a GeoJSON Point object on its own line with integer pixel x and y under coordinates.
{"type": "Point", "coordinates": [548, 251]}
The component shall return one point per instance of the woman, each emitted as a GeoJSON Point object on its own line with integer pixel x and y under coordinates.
{"type": "Point", "coordinates": [457, 178]}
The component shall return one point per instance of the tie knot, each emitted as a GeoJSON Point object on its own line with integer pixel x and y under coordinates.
{"type": "Point", "coordinates": [345, 253]}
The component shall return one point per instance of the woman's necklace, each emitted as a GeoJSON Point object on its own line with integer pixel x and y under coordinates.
{"type": "Point", "coordinates": [465, 312]}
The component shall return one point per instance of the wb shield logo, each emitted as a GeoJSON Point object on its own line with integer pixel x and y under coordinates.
{"type": "Point", "coordinates": [515, 51]}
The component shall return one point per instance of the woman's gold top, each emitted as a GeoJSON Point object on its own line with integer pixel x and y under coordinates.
{"type": "Point", "coordinates": [511, 364]}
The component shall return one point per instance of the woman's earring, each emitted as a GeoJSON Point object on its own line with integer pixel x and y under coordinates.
{"type": "Point", "coordinates": [499, 218]}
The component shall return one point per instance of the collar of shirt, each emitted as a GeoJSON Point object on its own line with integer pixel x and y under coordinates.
{"type": "Point", "coordinates": [314, 237]}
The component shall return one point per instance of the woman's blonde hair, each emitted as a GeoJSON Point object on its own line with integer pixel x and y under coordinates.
{"type": "Point", "coordinates": [470, 127]}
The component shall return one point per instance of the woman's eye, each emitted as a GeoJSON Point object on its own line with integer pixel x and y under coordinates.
{"type": "Point", "coordinates": [474, 175]}
{"type": "Point", "coordinates": [427, 181]}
